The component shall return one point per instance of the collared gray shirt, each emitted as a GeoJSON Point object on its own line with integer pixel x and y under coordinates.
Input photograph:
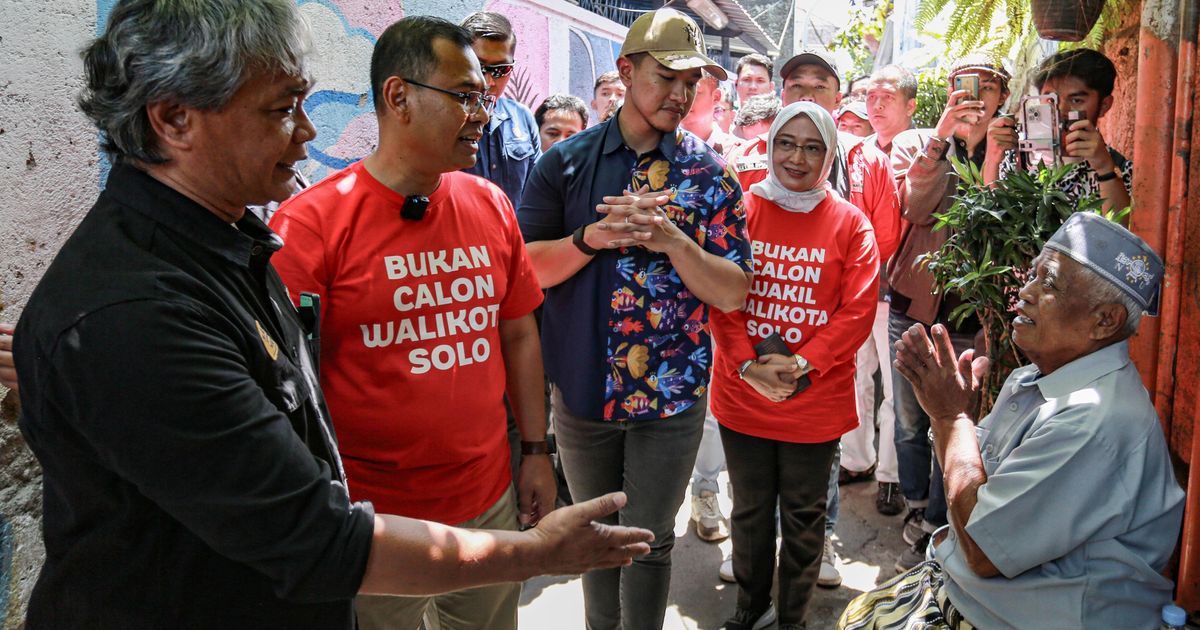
{"type": "Point", "coordinates": [1081, 508]}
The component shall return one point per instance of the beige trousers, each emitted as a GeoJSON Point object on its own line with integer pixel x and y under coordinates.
{"type": "Point", "coordinates": [484, 608]}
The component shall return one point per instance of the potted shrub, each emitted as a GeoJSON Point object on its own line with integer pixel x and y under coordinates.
{"type": "Point", "coordinates": [995, 234]}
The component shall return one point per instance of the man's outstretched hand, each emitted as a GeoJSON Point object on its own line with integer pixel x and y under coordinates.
{"type": "Point", "coordinates": [574, 542]}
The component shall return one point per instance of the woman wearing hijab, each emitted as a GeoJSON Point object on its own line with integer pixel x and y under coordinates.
{"type": "Point", "coordinates": [782, 410]}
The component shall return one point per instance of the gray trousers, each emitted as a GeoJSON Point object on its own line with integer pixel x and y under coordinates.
{"type": "Point", "coordinates": [651, 461]}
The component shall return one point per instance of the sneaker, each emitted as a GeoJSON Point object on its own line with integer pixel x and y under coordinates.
{"type": "Point", "coordinates": [744, 619]}
{"type": "Point", "coordinates": [829, 577]}
{"type": "Point", "coordinates": [711, 525]}
{"type": "Point", "coordinates": [914, 526]}
{"type": "Point", "coordinates": [726, 570]}
{"type": "Point", "coordinates": [914, 555]}
{"type": "Point", "coordinates": [889, 501]}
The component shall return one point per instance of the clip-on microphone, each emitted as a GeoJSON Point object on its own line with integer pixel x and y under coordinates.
{"type": "Point", "coordinates": [414, 208]}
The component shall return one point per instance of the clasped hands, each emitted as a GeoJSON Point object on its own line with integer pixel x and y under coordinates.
{"type": "Point", "coordinates": [635, 218]}
{"type": "Point", "coordinates": [946, 387]}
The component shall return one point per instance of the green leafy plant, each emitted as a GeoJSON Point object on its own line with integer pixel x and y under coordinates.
{"type": "Point", "coordinates": [931, 97]}
{"type": "Point", "coordinates": [995, 233]}
{"type": "Point", "coordinates": [997, 26]}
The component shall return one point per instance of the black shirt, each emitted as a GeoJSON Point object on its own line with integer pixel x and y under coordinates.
{"type": "Point", "coordinates": [191, 475]}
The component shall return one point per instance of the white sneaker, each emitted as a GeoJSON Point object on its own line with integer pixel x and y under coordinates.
{"type": "Point", "coordinates": [726, 570]}
{"type": "Point", "coordinates": [711, 525]}
{"type": "Point", "coordinates": [829, 576]}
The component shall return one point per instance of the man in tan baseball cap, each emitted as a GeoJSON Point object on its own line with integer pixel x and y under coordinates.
{"type": "Point", "coordinates": [619, 223]}
{"type": "Point", "coordinates": [673, 39]}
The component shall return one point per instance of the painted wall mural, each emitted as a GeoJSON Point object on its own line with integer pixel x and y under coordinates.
{"type": "Point", "coordinates": [560, 49]}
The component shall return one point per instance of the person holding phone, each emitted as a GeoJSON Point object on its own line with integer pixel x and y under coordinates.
{"type": "Point", "coordinates": [1083, 80]}
{"type": "Point", "coordinates": [816, 270]}
{"type": "Point", "coordinates": [927, 184]}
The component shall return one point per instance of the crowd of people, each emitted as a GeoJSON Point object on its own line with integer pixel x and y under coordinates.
{"type": "Point", "coordinates": [259, 402]}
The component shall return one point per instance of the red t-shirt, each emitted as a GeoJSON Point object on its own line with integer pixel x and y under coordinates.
{"type": "Point", "coordinates": [411, 363]}
{"type": "Point", "coordinates": [815, 281]}
{"type": "Point", "coordinates": [872, 188]}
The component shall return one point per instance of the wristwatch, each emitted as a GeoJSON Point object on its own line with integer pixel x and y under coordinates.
{"type": "Point", "coordinates": [803, 363]}
{"type": "Point", "coordinates": [743, 367]}
{"type": "Point", "coordinates": [577, 239]}
{"type": "Point", "coordinates": [1107, 176]}
{"type": "Point", "coordinates": [939, 145]}
{"type": "Point", "coordinates": [541, 447]}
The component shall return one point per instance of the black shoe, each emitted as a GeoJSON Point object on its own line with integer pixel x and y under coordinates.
{"type": "Point", "coordinates": [914, 555]}
{"type": "Point", "coordinates": [744, 619]}
{"type": "Point", "coordinates": [889, 501]}
{"type": "Point", "coordinates": [847, 477]}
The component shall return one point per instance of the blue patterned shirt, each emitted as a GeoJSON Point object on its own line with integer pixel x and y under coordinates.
{"type": "Point", "coordinates": [623, 338]}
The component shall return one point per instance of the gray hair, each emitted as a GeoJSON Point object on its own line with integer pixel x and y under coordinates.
{"type": "Point", "coordinates": [1101, 291]}
{"type": "Point", "coordinates": [194, 52]}
{"type": "Point", "coordinates": [757, 109]}
{"type": "Point", "coordinates": [903, 78]}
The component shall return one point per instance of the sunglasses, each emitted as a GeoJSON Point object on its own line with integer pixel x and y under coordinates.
{"type": "Point", "coordinates": [499, 70]}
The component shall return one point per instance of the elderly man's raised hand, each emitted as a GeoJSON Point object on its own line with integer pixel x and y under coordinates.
{"type": "Point", "coordinates": [574, 542]}
{"type": "Point", "coordinates": [946, 387]}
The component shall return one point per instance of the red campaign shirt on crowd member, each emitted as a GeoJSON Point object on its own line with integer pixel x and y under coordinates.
{"type": "Point", "coordinates": [411, 361]}
{"type": "Point", "coordinates": [815, 280]}
{"type": "Point", "coordinates": [872, 188]}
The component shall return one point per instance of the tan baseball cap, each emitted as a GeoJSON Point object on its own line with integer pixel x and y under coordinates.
{"type": "Point", "coordinates": [673, 39]}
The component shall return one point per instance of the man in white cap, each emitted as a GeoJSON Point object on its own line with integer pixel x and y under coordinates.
{"type": "Point", "coordinates": [1063, 504]}
{"type": "Point", "coordinates": [852, 119]}
{"type": "Point", "coordinates": [631, 278]}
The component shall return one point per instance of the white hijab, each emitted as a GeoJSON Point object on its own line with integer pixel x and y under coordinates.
{"type": "Point", "coordinates": [771, 188]}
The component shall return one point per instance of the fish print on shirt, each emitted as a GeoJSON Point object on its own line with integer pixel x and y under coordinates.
{"type": "Point", "coordinates": [658, 345]}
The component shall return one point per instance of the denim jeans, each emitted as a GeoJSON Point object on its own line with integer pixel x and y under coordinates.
{"type": "Point", "coordinates": [710, 459]}
{"type": "Point", "coordinates": [833, 497]}
{"type": "Point", "coordinates": [651, 460]}
{"type": "Point", "coordinates": [920, 474]}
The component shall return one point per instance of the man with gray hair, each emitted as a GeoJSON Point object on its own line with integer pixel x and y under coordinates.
{"type": "Point", "coordinates": [756, 115]}
{"type": "Point", "coordinates": [191, 473]}
{"type": "Point", "coordinates": [1074, 432]}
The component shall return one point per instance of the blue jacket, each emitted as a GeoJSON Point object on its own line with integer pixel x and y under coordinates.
{"type": "Point", "coordinates": [509, 148]}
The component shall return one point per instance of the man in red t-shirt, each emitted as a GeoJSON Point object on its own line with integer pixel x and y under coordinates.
{"type": "Point", "coordinates": [427, 297]}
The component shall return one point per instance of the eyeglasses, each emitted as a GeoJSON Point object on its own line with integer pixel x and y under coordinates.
{"type": "Point", "coordinates": [807, 151]}
{"type": "Point", "coordinates": [499, 70]}
{"type": "Point", "coordinates": [472, 102]}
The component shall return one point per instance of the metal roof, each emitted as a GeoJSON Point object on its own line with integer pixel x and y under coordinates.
{"type": "Point", "coordinates": [741, 26]}
{"type": "Point", "coordinates": [749, 30]}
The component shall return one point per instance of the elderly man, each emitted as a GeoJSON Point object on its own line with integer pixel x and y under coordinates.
{"type": "Point", "coordinates": [757, 114]}
{"type": "Point", "coordinates": [191, 472]}
{"type": "Point", "coordinates": [631, 279]}
{"type": "Point", "coordinates": [1063, 504]}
